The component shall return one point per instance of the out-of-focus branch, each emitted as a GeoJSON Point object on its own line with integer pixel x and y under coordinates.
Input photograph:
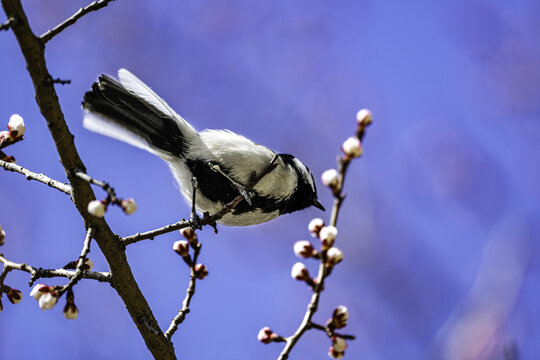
{"type": "Point", "coordinates": [65, 188]}
{"type": "Point", "coordinates": [207, 219]}
{"type": "Point", "coordinates": [122, 279]}
{"type": "Point", "coordinates": [96, 5]}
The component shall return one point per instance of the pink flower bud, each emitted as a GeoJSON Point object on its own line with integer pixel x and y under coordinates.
{"type": "Point", "coordinates": [2, 236]}
{"type": "Point", "coordinates": [129, 206]}
{"type": "Point", "coordinates": [265, 335]}
{"type": "Point", "coordinates": [303, 249]}
{"type": "Point", "coordinates": [339, 344]}
{"type": "Point", "coordinates": [71, 311]}
{"type": "Point", "coordinates": [352, 147]}
{"type": "Point", "coordinates": [363, 117]}
{"type": "Point", "coordinates": [181, 247]}
{"type": "Point", "coordinates": [328, 235]}
{"type": "Point", "coordinates": [330, 178]}
{"type": "Point", "coordinates": [189, 234]}
{"type": "Point", "coordinates": [48, 300]}
{"type": "Point", "coordinates": [201, 271]}
{"type": "Point", "coordinates": [16, 126]}
{"type": "Point", "coordinates": [15, 296]}
{"type": "Point", "coordinates": [334, 256]}
{"type": "Point", "coordinates": [97, 208]}
{"type": "Point", "coordinates": [315, 226]}
{"type": "Point", "coordinates": [39, 290]}
{"type": "Point", "coordinates": [299, 271]}
{"type": "Point", "coordinates": [340, 317]}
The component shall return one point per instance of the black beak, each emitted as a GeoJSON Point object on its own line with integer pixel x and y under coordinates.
{"type": "Point", "coordinates": [318, 205]}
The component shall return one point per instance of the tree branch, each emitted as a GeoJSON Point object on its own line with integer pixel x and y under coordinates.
{"type": "Point", "coordinates": [96, 5]}
{"type": "Point", "coordinates": [65, 188]}
{"type": "Point", "coordinates": [79, 271]}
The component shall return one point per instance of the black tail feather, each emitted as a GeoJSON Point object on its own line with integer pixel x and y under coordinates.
{"type": "Point", "coordinates": [111, 101]}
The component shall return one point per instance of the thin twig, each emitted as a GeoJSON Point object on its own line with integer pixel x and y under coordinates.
{"type": "Point", "coordinates": [330, 332]}
{"type": "Point", "coordinates": [102, 184]}
{"type": "Point", "coordinates": [207, 219]}
{"type": "Point", "coordinates": [79, 271]}
{"type": "Point", "coordinates": [65, 188]}
{"type": "Point", "coordinates": [306, 324]}
{"type": "Point", "coordinates": [9, 23]}
{"type": "Point", "coordinates": [50, 273]}
{"type": "Point", "coordinates": [96, 5]}
{"type": "Point", "coordinates": [180, 317]}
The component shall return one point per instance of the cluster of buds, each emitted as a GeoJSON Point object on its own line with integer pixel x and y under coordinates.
{"type": "Point", "coordinates": [15, 131]}
{"type": "Point", "coordinates": [2, 236]}
{"type": "Point", "coordinates": [266, 336]}
{"type": "Point", "coordinates": [338, 321]}
{"type": "Point", "coordinates": [99, 207]}
{"type": "Point", "coordinates": [46, 295]}
{"type": "Point", "coordinates": [13, 295]}
{"type": "Point", "coordinates": [70, 309]}
{"type": "Point", "coordinates": [87, 265]}
{"type": "Point", "coordinates": [181, 247]}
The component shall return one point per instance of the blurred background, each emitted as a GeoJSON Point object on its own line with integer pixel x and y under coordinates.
{"type": "Point", "coordinates": [439, 229]}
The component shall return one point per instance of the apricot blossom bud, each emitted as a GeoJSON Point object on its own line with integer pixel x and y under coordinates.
{"type": "Point", "coordinates": [363, 117]}
{"type": "Point", "coordinates": [303, 249]}
{"type": "Point", "coordinates": [300, 272]}
{"type": "Point", "coordinates": [265, 335]}
{"type": "Point", "coordinates": [315, 226]}
{"type": "Point", "coordinates": [48, 300]}
{"type": "Point", "coordinates": [97, 208]}
{"type": "Point", "coordinates": [129, 206]}
{"type": "Point", "coordinates": [201, 271]}
{"type": "Point", "coordinates": [39, 290]}
{"type": "Point", "coordinates": [189, 234]}
{"type": "Point", "coordinates": [334, 256]}
{"type": "Point", "coordinates": [2, 236]}
{"type": "Point", "coordinates": [328, 235]}
{"type": "Point", "coordinates": [330, 178]}
{"type": "Point", "coordinates": [16, 126]}
{"type": "Point", "coordinates": [15, 296]}
{"type": "Point", "coordinates": [340, 317]}
{"type": "Point", "coordinates": [181, 247]}
{"type": "Point", "coordinates": [352, 147]}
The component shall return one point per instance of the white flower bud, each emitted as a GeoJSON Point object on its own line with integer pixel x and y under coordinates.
{"type": "Point", "coordinates": [334, 255]}
{"type": "Point", "coordinates": [299, 271]}
{"type": "Point", "coordinates": [97, 208]}
{"type": "Point", "coordinates": [2, 236]}
{"type": "Point", "coordinates": [333, 354]}
{"type": "Point", "coordinates": [340, 317]}
{"type": "Point", "coordinates": [15, 296]}
{"type": "Point", "coordinates": [88, 264]}
{"type": "Point", "coordinates": [265, 335]}
{"type": "Point", "coordinates": [189, 234]}
{"type": "Point", "coordinates": [129, 206]}
{"type": "Point", "coordinates": [181, 247]}
{"type": "Point", "coordinates": [71, 311]}
{"type": "Point", "coordinates": [201, 271]}
{"type": "Point", "coordinates": [48, 300]}
{"type": "Point", "coordinates": [339, 344]}
{"type": "Point", "coordinates": [315, 226]}
{"type": "Point", "coordinates": [4, 135]}
{"type": "Point", "coordinates": [39, 290]}
{"type": "Point", "coordinates": [330, 178]}
{"type": "Point", "coordinates": [352, 147]}
{"type": "Point", "coordinates": [303, 249]}
{"type": "Point", "coordinates": [16, 126]}
{"type": "Point", "coordinates": [363, 117]}
{"type": "Point", "coordinates": [328, 235]}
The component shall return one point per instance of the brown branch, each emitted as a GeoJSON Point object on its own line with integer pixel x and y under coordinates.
{"type": "Point", "coordinates": [96, 5]}
{"type": "Point", "coordinates": [65, 188]}
{"type": "Point", "coordinates": [37, 273]}
{"type": "Point", "coordinates": [9, 23]}
{"type": "Point", "coordinates": [79, 271]}
{"type": "Point", "coordinates": [180, 317]}
{"type": "Point", "coordinates": [207, 219]}
{"type": "Point", "coordinates": [122, 279]}
{"type": "Point", "coordinates": [323, 273]}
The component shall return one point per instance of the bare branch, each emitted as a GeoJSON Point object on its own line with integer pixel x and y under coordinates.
{"type": "Point", "coordinates": [207, 219]}
{"type": "Point", "coordinates": [96, 5]}
{"type": "Point", "coordinates": [79, 271]}
{"type": "Point", "coordinates": [9, 23]}
{"type": "Point", "coordinates": [37, 273]}
{"type": "Point", "coordinates": [65, 188]}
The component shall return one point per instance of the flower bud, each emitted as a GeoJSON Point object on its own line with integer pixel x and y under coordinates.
{"type": "Point", "coordinates": [16, 126]}
{"type": "Point", "coordinates": [339, 344]}
{"type": "Point", "coordinates": [352, 147]}
{"type": "Point", "coordinates": [15, 296]}
{"type": "Point", "coordinates": [334, 256]}
{"type": "Point", "coordinates": [300, 272]}
{"type": "Point", "coordinates": [48, 300]}
{"type": "Point", "coordinates": [265, 335]}
{"type": "Point", "coordinates": [2, 236]}
{"type": "Point", "coordinates": [189, 234]}
{"type": "Point", "coordinates": [201, 271]}
{"type": "Point", "coordinates": [335, 354]}
{"type": "Point", "coordinates": [181, 247]}
{"type": "Point", "coordinates": [363, 117]}
{"type": "Point", "coordinates": [315, 226]}
{"type": "Point", "coordinates": [330, 178]}
{"type": "Point", "coordinates": [4, 136]}
{"type": "Point", "coordinates": [39, 290]}
{"type": "Point", "coordinates": [340, 317]}
{"type": "Point", "coordinates": [303, 249]}
{"type": "Point", "coordinates": [88, 264]}
{"type": "Point", "coordinates": [328, 235]}
{"type": "Point", "coordinates": [71, 311]}
{"type": "Point", "coordinates": [129, 206]}
{"type": "Point", "coordinates": [97, 208]}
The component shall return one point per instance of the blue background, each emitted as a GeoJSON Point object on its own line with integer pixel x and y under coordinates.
{"type": "Point", "coordinates": [440, 227]}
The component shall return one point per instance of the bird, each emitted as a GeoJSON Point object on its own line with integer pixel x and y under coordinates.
{"type": "Point", "coordinates": [221, 161]}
